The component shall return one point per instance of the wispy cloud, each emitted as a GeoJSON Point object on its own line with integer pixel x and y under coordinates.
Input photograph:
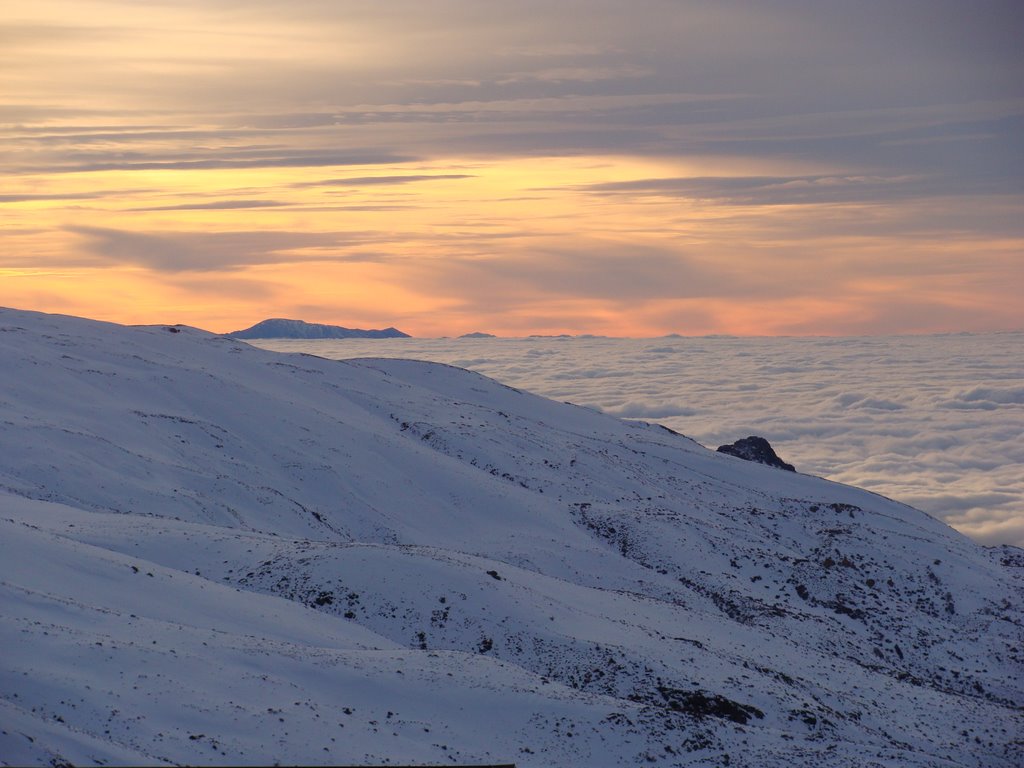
{"type": "Point", "coordinates": [33, 197]}
{"type": "Point", "coordinates": [367, 181]}
{"type": "Point", "coordinates": [211, 252]}
{"type": "Point", "coordinates": [218, 205]}
{"type": "Point", "coordinates": [618, 273]}
{"type": "Point", "coordinates": [94, 164]}
{"type": "Point", "coordinates": [778, 190]}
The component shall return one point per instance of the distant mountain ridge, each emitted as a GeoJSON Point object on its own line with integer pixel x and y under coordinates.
{"type": "Point", "coordinates": [281, 328]}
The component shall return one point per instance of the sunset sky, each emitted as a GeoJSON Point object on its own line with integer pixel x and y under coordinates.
{"type": "Point", "coordinates": [620, 168]}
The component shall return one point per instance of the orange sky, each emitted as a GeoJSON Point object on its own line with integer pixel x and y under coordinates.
{"type": "Point", "coordinates": [681, 167]}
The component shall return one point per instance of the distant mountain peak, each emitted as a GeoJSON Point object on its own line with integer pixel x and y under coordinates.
{"type": "Point", "coordinates": [281, 328]}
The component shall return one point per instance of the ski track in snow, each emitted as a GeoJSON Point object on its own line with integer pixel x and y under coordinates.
{"type": "Point", "coordinates": [211, 553]}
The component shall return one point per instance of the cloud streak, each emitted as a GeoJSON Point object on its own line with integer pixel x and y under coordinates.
{"type": "Point", "coordinates": [369, 181]}
{"type": "Point", "coordinates": [615, 272]}
{"type": "Point", "coordinates": [779, 190]}
{"type": "Point", "coordinates": [210, 252]}
{"type": "Point", "coordinates": [94, 163]}
{"type": "Point", "coordinates": [218, 205]}
{"type": "Point", "coordinates": [32, 198]}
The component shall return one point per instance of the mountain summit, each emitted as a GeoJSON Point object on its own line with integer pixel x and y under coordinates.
{"type": "Point", "coordinates": [212, 553]}
{"type": "Point", "coordinates": [279, 328]}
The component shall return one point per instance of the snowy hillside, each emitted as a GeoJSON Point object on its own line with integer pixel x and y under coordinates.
{"type": "Point", "coordinates": [211, 554]}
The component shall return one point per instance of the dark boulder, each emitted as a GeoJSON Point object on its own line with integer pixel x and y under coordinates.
{"type": "Point", "coordinates": [757, 449]}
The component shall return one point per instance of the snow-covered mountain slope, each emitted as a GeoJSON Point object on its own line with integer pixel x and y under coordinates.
{"type": "Point", "coordinates": [213, 553]}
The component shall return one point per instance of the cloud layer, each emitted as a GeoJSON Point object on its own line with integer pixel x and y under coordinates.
{"type": "Point", "coordinates": [934, 421]}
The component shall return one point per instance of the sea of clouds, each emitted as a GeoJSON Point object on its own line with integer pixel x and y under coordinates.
{"type": "Point", "coordinates": [934, 421]}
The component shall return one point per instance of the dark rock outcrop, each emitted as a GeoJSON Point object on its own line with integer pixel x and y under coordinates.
{"type": "Point", "coordinates": [700, 704]}
{"type": "Point", "coordinates": [756, 449]}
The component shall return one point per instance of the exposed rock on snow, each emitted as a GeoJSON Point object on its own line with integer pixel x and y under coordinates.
{"type": "Point", "coordinates": [210, 553]}
{"type": "Point", "coordinates": [756, 449]}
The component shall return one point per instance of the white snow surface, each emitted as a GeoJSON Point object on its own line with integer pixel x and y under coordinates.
{"type": "Point", "coordinates": [212, 553]}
